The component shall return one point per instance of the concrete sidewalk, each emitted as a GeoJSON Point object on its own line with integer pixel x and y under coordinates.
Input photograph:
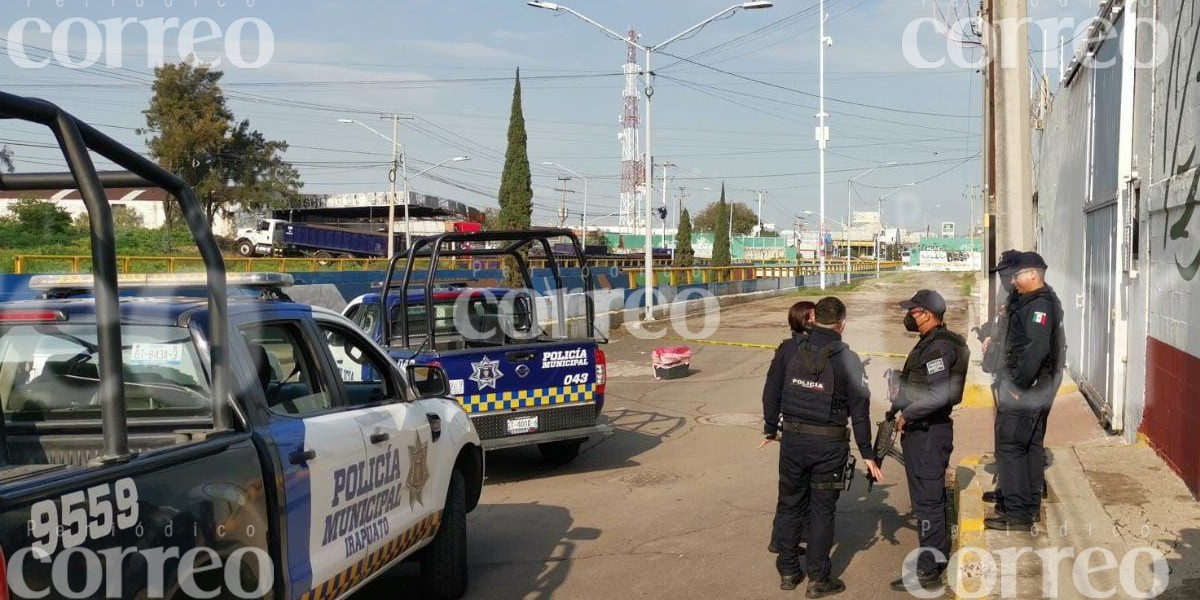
{"type": "Point", "coordinates": [1118, 523]}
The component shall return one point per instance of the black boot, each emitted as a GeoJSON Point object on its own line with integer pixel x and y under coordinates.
{"type": "Point", "coordinates": [1008, 523]}
{"type": "Point", "coordinates": [993, 496]}
{"type": "Point", "coordinates": [826, 587]}
{"type": "Point", "coordinates": [928, 580]}
{"type": "Point", "coordinates": [789, 582]}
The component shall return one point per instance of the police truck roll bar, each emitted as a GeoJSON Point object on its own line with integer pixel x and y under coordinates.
{"type": "Point", "coordinates": [75, 139]}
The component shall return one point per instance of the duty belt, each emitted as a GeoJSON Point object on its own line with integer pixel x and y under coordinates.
{"type": "Point", "coordinates": [924, 425]}
{"type": "Point", "coordinates": [829, 431]}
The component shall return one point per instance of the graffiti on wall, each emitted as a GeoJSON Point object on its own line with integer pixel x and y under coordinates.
{"type": "Point", "coordinates": [1183, 94]}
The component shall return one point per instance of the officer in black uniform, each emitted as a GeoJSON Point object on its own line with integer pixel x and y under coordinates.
{"type": "Point", "coordinates": [1031, 372]}
{"type": "Point", "coordinates": [817, 385]}
{"type": "Point", "coordinates": [931, 385]}
{"type": "Point", "coordinates": [993, 334]}
{"type": "Point", "coordinates": [800, 317]}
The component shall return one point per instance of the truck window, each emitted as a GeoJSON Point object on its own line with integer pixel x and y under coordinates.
{"type": "Point", "coordinates": [362, 372]}
{"type": "Point", "coordinates": [51, 371]}
{"type": "Point", "coordinates": [286, 371]}
{"type": "Point", "coordinates": [264, 226]}
{"type": "Point", "coordinates": [366, 316]}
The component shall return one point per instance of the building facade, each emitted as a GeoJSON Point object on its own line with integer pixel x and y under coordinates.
{"type": "Point", "coordinates": [1117, 221]}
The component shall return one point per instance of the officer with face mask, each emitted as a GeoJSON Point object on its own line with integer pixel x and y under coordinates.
{"type": "Point", "coordinates": [1030, 373]}
{"type": "Point", "coordinates": [817, 385]}
{"type": "Point", "coordinates": [931, 385]}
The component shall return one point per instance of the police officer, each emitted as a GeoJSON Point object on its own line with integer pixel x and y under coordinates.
{"type": "Point", "coordinates": [1031, 371]}
{"type": "Point", "coordinates": [817, 385]}
{"type": "Point", "coordinates": [993, 334]}
{"type": "Point", "coordinates": [800, 317]}
{"type": "Point", "coordinates": [931, 385]}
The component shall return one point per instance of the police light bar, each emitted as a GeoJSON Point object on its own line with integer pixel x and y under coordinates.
{"type": "Point", "coordinates": [161, 280]}
{"type": "Point", "coordinates": [31, 315]}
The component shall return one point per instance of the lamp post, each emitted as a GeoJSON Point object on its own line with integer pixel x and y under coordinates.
{"type": "Point", "coordinates": [822, 132]}
{"type": "Point", "coordinates": [878, 246]}
{"type": "Point", "coordinates": [585, 192]}
{"type": "Point", "coordinates": [850, 209]}
{"type": "Point", "coordinates": [649, 92]}
{"type": "Point", "coordinates": [398, 160]}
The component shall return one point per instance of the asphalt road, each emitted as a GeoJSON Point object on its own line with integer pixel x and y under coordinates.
{"type": "Point", "coordinates": [679, 502]}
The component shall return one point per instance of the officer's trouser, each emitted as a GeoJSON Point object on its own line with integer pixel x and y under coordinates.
{"type": "Point", "coordinates": [926, 457]}
{"type": "Point", "coordinates": [806, 460]}
{"type": "Point", "coordinates": [1020, 454]}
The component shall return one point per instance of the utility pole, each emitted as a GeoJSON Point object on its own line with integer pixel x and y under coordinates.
{"type": "Point", "coordinates": [760, 221]}
{"type": "Point", "coordinates": [399, 163]}
{"type": "Point", "coordinates": [562, 208]}
{"type": "Point", "coordinates": [1008, 219]}
{"type": "Point", "coordinates": [664, 201]}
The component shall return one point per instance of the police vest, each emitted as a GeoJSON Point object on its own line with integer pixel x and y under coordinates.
{"type": "Point", "coordinates": [915, 372]}
{"type": "Point", "coordinates": [809, 383]}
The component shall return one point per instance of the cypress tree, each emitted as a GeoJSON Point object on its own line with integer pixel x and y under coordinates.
{"type": "Point", "coordinates": [516, 183]}
{"type": "Point", "coordinates": [721, 233]}
{"type": "Point", "coordinates": [684, 255]}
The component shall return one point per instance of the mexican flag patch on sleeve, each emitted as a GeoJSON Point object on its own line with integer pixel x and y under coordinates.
{"type": "Point", "coordinates": [1039, 318]}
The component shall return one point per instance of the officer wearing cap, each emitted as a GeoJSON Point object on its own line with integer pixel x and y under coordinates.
{"type": "Point", "coordinates": [993, 334]}
{"type": "Point", "coordinates": [1030, 373]}
{"type": "Point", "coordinates": [817, 385]}
{"type": "Point", "coordinates": [931, 385]}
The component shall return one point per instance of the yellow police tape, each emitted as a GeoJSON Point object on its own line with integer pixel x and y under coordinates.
{"type": "Point", "coordinates": [774, 346]}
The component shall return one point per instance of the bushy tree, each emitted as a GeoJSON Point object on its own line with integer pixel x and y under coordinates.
{"type": "Point", "coordinates": [744, 219]}
{"type": "Point", "coordinates": [194, 135]}
{"type": "Point", "coordinates": [685, 256]}
{"type": "Point", "coordinates": [721, 256]}
{"type": "Point", "coordinates": [40, 217]}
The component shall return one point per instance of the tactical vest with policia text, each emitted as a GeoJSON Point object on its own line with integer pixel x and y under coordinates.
{"type": "Point", "coordinates": [916, 373]}
{"type": "Point", "coordinates": [809, 384]}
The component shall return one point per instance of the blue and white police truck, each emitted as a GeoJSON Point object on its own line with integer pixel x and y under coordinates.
{"type": "Point", "coordinates": [526, 366]}
{"type": "Point", "coordinates": [159, 443]}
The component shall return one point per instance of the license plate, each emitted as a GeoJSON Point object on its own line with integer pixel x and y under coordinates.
{"type": "Point", "coordinates": [520, 425]}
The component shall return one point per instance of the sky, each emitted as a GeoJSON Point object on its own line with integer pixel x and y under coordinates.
{"type": "Point", "coordinates": [734, 103]}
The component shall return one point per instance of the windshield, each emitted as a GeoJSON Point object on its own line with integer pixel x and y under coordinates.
{"type": "Point", "coordinates": [51, 371]}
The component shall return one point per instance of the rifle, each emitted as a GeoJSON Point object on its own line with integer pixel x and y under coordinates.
{"type": "Point", "coordinates": [886, 435]}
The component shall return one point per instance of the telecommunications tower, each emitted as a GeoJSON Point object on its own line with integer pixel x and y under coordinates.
{"type": "Point", "coordinates": [632, 167]}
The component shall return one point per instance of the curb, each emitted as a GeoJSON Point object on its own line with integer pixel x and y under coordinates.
{"type": "Point", "coordinates": [980, 396]}
{"type": "Point", "coordinates": [967, 573]}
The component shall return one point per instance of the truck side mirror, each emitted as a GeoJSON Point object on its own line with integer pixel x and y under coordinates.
{"type": "Point", "coordinates": [430, 381]}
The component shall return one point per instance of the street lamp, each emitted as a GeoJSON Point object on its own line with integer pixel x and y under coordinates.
{"type": "Point", "coordinates": [881, 227]}
{"type": "Point", "coordinates": [850, 210]}
{"type": "Point", "coordinates": [397, 156]}
{"type": "Point", "coordinates": [585, 193]}
{"type": "Point", "coordinates": [649, 92]}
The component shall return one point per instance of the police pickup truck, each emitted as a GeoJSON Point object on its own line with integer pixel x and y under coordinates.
{"type": "Point", "coordinates": [523, 379]}
{"type": "Point", "coordinates": [154, 444]}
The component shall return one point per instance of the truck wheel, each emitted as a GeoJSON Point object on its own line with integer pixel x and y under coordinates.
{"type": "Point", "coordinates": [444, 562]}
{"type": "Point", "coordinates": [245, 248]}
{"type": "Point", "coordinates": [560, 453]}
{"type": "Point", "coordinates": [323, 258]}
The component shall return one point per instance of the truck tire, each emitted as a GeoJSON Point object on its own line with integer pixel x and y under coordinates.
{"type": "Point", "coordinates": [444, 562]}
{"type": "Point", "coordinates": [561, 452]}
{"type": "Point", "coordinates": [246, 248]}
{"type": "Point", "coordinates": [323, 258]}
